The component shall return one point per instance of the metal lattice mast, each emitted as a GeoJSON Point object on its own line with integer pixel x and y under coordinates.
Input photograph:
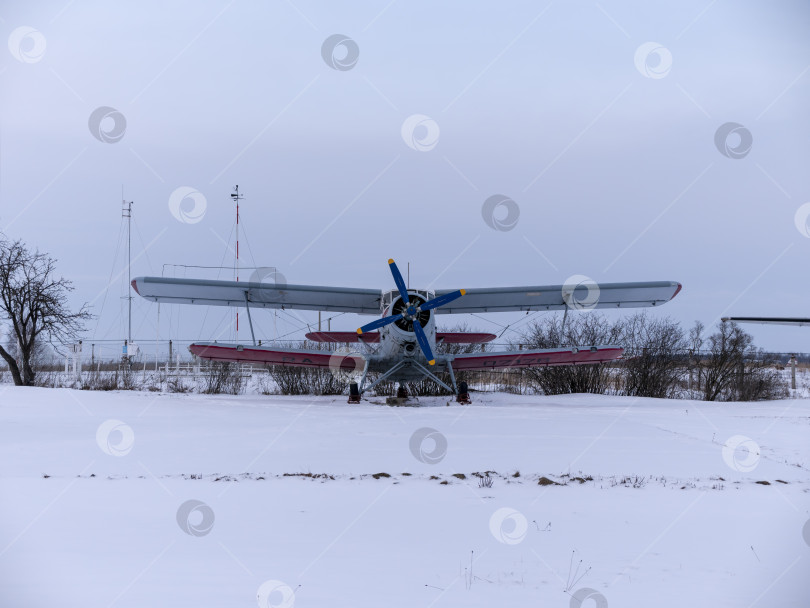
{"type": "Point", "coordinates": [236, 198]}
{"type": "Point", "coordinates": [126, 211]}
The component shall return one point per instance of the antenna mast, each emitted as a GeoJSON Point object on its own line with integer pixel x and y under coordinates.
{"type": "Point", "coordinates": [126, 211]}
{"type": "Point", "coordinates": [236, 198]}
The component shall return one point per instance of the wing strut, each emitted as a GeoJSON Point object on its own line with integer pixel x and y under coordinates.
{"type": "Point", "coordinates": [432, 376]}
{"type": "Point", "coordinates": [452, 376]}
{"type": "Point", "coordinates": [380, 378]}
{"type": "Point", "coordinates": [250, 321]}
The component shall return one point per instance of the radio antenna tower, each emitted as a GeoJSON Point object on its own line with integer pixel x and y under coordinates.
{"type": "Point", "coordinates": [126, 212]}
{"type": "Point", "coordinates": [236, 197]}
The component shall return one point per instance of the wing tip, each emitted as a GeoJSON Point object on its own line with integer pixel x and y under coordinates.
{"type": "Point", "coordinates": [432, 362]}
{"type": "Point", "coordinates": [390, 260]}
{"type": "Point", "coordinates": [359, 331]}
{"type": "Point", "coordinates": [134, 284]}
{"type": "Point", "coordinates": [677, 291]}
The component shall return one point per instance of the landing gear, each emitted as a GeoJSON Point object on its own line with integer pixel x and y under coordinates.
{"type": "Point", "coordinates": [462, 396]}
{"type": "Point", "coordinates": [402, 397]}
{"type": "Point", "coordinates": [458, 389]}
{"type": "Point", "coordinates": [354, 393]}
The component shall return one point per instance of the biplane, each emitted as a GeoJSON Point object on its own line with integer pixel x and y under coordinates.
{"type": "Point", "coordinates": [402, 341]}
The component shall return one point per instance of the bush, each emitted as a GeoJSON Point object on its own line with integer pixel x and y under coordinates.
{"type": "Point", "coordinates": [175, 384]}
{"type": "Point", "coordinates": [222, 377]}
{"type": "Point", "coordinates": [582, 330]}
{"type": "Point", "coordinates": [306, 381]}
{"type": "Point", "coordinates": [120, 379]}
{"type": "Point", "coordinates": [761, 381]}
{"type": "Point", "coordinates": [732, 369]}
{"type": "Point", "coordinates": [653, 356]}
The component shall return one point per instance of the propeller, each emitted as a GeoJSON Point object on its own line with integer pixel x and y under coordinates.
{"type": "Point", "coordinates": [411, 312]}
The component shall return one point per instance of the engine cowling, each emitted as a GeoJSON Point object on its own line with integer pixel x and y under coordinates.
{"type": "Point", "coordinates": [399, 336]}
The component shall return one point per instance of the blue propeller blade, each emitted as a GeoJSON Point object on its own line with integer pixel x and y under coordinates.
{"type": "Point", "coordinates": [403, 290]}
{"type": "Point", "coordinates": [423, 342]}
{"type": "Point", "coordinates": [442, 300]}
{"type": "Point", "coordinates": [378, 323]}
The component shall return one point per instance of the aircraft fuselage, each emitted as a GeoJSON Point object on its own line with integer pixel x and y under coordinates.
{"type": "Point", "coordinates": [398, 341]}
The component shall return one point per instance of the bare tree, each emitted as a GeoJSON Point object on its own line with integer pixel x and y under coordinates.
{"type": "Point", "coordinates": [581, 330]}
{"type": "Point", "coordinates": [761, 379]}
{"type": "Point", "coordinates": [653, 355]}
{"type": "Point", "coordinates": [735, 370]}
{"type": "Point", "coordinates": [34, 304]}
{"type": "Point", "coordinates": [43, 355]}
{"type": "Point", "coordinates": [448, 348]}
{"type": "Point", "coordinates": [695, 345]}
{"type": "Point", "coordinates": [725, 359]}
{"type": "Point", "coordinates": [222, 377]}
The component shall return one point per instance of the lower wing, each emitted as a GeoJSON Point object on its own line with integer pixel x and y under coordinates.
{"type": "Point", "coordinates": [537, 358]}
{"type": "Point", "coordinates": [270, 355]}
{"type": "Point", "coordinates": [373, 336]}
{"type": "Point", "coordinates": [295, 357]}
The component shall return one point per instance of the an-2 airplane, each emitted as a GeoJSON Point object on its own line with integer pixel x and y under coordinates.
{"type": "Point", "coordinates": [406, 330]}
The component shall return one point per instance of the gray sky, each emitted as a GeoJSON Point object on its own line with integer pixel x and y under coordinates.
{"type": "Point", "coordinates": [606, 146]}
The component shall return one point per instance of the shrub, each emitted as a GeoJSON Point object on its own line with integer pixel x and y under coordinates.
{"type": "Point", "coordinates": [582, 330]}
{"type": "Point", "coordinates": [653, 357]}
{"type": "Point", "coordinates": [222, 377]}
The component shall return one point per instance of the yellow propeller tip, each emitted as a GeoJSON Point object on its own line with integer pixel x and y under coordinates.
{"type": "Point", "coordinates": [390, 260]}
{"type": "Point", "coordinates": [463, 292]}
{"type": "Point", "coordinates": [359, 331]}
{"type": "Point", "coordinates": [432, 362]}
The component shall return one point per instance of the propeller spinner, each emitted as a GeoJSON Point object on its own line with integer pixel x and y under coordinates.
{"type": "Point", "coordinates": [410, 312]}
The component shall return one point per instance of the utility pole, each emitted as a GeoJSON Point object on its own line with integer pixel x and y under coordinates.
{"type": "Point", "coordinates": [236, 197]}
{"type": "Point", "coordinates": [793, 371]}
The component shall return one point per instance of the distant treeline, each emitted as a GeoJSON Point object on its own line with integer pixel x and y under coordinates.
{"type": "Point", "coordinates": [661, 359]}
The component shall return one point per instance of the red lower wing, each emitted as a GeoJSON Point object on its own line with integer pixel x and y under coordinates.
{"type": "Point", "coordinates": [343, 336]}
{"type": "Point", "coordinates": [262, 354]}
{"type": "Point", "coordinates": [452, 337]}
{"type": "Point", "coordinates": [314, 358]}
{"type": "Point", "coordinates": [537, 358]}
{"type": "Point", "coordinates": [443, 336]}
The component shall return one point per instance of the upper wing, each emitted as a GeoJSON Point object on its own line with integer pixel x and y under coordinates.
{"type": "Point", "coordinates": [551, 297]}
{"type": "Point", "coordinates": [367, 301]}
{"type": "Point", "coordinates": [770, 320]}
{"type": "Point", "coordinates": [260, 295]}
{"type": "Point", "coordinates": [537, 358]}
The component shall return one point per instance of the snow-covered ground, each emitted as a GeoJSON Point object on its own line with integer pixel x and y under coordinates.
{"type": "Point", "coordinates": [659, 504]}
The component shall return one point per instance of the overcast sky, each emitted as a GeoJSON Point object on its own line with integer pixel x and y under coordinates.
{"type": "Point", "coordinates": [599, 120]}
